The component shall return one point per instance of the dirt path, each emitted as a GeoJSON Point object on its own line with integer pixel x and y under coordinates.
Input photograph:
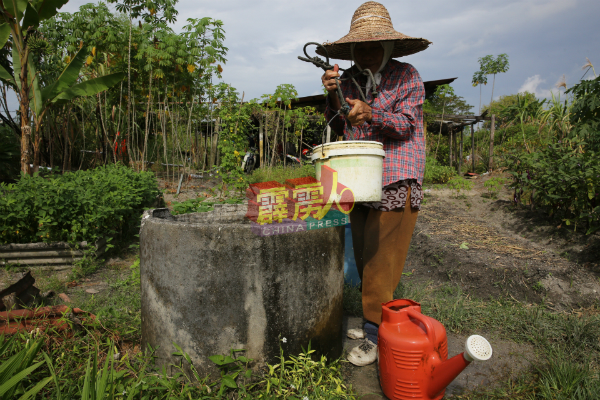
{"type": "Point", "coordinates": [490, 248]}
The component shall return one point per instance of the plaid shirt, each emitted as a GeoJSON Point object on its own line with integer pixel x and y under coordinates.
{"type": "Point", "coordinates": [397, 120]}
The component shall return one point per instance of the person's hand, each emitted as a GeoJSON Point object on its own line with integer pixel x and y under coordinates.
{"type": "Point", "coordinates": [360, 113]}
{"type": "Point", "coordinates": [328, 79]}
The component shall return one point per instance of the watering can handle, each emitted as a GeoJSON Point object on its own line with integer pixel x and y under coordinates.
{"type": "Point", "coordinates": [425, 321]}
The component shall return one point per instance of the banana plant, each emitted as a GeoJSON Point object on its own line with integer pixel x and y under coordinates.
{"type": "Point", "coordinates": [19, 20]}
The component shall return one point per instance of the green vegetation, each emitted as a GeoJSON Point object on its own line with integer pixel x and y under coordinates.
{"type": "Point", "coordinates": [437, 173]}
{"type": "Point", "coordinates": [199, 205]}
{"type": "Point", "coordinates": [493, 186]}
{"type": "Point", "coordinates": [280, 174]}
{"type": "Point", "coordinates": [458, 184]}
{"type": "Point", "coordinates": [103, 360]}
{"type": "Point", "coordinates": [105, 202]}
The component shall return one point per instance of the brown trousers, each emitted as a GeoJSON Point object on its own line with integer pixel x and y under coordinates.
{"type": "Point", "coordinates": [381, 240]}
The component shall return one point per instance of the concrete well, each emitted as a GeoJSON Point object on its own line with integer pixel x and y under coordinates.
{"type": "Point", "coordinates": [210, 285]}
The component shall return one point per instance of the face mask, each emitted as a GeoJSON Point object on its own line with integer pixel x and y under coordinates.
{"type": "Point", "coordinates": [388, 47]}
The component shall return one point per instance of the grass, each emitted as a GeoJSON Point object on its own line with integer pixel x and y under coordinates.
{"type": "Point", "coordinates": [568, 345]}
{"type": "Point", "coordinates": [280, 173]}
{"type": "Point", "coordinates": [565, 367]}
{"type": "Point", "coordinates": [106, 357]}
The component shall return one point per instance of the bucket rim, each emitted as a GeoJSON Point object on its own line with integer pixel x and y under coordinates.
{"type": "Point", "coordinates": [349, 142]}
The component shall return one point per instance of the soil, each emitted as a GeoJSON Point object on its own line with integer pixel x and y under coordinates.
{"type": "Point", "coordinates": [508, 361]}
{"type": "Point", "coordinates": [491, 248]}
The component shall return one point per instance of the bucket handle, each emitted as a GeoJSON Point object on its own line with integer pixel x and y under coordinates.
{"type": "Point", "coordinates": [425, 321]}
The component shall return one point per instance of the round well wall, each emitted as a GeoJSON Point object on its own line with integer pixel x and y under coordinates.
{"type": "Point", "coordinates": [209, 284]}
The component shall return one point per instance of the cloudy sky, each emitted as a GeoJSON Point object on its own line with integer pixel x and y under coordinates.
{"type": "Point", "coordinates": [544, 39]}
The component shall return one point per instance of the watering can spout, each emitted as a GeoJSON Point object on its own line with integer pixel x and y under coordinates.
{"type": "Point", "coordinates": [477, 348]}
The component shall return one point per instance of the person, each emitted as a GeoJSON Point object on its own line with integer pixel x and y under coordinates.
{"type": "Point", "coordinates": [381, 231]}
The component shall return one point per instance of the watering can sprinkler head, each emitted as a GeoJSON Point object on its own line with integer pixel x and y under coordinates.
{"type": "Point", "coordinates": [477, 348]}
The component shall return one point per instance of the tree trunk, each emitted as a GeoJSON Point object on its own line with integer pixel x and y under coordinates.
{"type": "Point", "coordinates": [492, 129]}
{"type": "Point", "coordinates": [460, 154]}
{"type": "Point", "coordinates": [213, 145]}
{"type": "Point", "coordinates": [25, 136]}
{"type": "Point", "coordinates": [473, 147]}
{"type": "Point", "coordinates": [25, 126]}
{"type": "Point", "coordinates": [261, 142]}
{"type": "Point", "coordinates": [147, 126]}
{"type": "Point", "coordinates": [450, 145]}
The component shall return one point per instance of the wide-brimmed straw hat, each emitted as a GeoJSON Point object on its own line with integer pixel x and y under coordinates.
{"type": "Point", "coordinates": [371, 22]}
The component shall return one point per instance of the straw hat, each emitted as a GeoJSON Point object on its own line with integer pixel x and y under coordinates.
{"type": "Point", "coordinates": [371, 22]}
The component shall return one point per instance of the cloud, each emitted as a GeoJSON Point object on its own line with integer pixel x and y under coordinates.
{"type": "Point", "coordinates": [535, 84]}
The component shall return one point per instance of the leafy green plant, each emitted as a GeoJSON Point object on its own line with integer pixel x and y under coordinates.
{"type": "Point", "coordinates": [458, 184]}
{"type": "Point", "coordinates": [562, 179]}
{"type": "Point", "coordinates": [15, 371]}
{"type": "Point", "coordinates": [493, 186]}
{"type": "Point", "coordinates": [437, 173]}
{"type": "Point", "coordinates": [81, 206]}
{"type": "Point", "coordinates": [199, 205]}
{"type": "Point", "coordinates": [235, 371]}
{"type": "Point", "coordinates": [585, 116]}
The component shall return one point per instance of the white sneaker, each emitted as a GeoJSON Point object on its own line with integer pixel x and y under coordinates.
{"type": "Point", "coordinates": [355, 334]}
{"type": "Point", "coordinates": [363, 354]}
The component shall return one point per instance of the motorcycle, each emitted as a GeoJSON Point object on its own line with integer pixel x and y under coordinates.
{"type": "Point", "coordinates": [249, 160]}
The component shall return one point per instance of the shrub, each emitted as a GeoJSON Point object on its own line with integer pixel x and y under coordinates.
{"type": "Point", "coordinates": [458, 183]}
{"type": "Point", "coordinates": [563, 180]}
{"type": "Point", "coordinates": [79, 206]}
{"type": "Point", "coordinates": [437, 173]}
{"type": "Point", "coordinates": [493, 186]}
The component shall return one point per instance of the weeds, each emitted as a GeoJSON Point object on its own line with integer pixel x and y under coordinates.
{"type": "Point", "coordinates": [280, 174]}
{"type": "Point", "coordinates": [458, 184]}
{"type": "Point", "coordinates": [493, 186]}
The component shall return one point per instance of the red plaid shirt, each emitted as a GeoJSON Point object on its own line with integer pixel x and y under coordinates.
{"type": "Point", "coordinates": [397, 120]}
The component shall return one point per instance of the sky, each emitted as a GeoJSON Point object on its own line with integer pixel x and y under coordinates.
{"type": "Point", "coordinates": [544, 39]}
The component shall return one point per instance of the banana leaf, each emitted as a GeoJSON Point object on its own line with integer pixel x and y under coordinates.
{"type": "Point", "coordinates": [9, 5]}
{"type": "Point", "coordinates": [35, 94]}
{"type": "Point", "coordinates": [31, 18]}
{"type": "Point", "coordinates": [89, 87]}
{"type": "Point", "coordinates": [66, 79]}
{"type": "Point", "coordinates": [4, 34]}
{"type": "Point", "coordinates": [16, 66]}
{"type": "Point", "coordinates": [48, 8]}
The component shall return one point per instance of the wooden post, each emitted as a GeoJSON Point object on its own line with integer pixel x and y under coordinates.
{"type": "Point", "coordinates": [261, 139]}
{"type": "Point", "coordinates": [473, 147]}
{"type": "Point", "coordinates": [460, 152]}
{"type": "Point", "coordinates": [492, 130]}
{"type": "Point", "coordinates": [328, 134]}
{"type": "Point", "coordinates": [450, 143]}
{"type": "Point", "coordinates": [213, 145]}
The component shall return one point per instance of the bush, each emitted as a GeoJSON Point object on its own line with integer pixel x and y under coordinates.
{"type": "Point", "coordinates": [436, 173]}
{"type": "Point", "coordinates": [79, 206]}
{"type": "Point", "coordinates": [561, 179]}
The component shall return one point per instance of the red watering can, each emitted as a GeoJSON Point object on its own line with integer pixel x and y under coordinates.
{"type": "Point", "coordinates": [413, 353]}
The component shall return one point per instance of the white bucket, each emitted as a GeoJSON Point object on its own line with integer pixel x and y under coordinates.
{"type": "Point", "coordinates": [359, 165]}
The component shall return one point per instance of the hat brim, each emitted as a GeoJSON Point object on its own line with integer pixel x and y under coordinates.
{"type": "Point", "coordinates": [404, 46]}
